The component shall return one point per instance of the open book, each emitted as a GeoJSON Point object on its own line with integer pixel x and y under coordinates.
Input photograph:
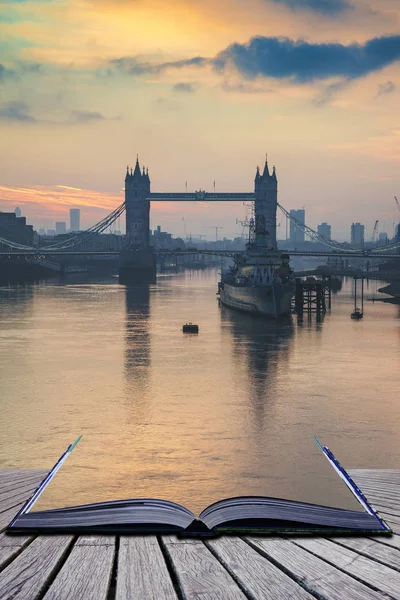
{"type": "Point", "coordinates": [244, 514]}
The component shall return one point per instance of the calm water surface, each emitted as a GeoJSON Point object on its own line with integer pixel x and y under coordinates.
{"type": "Point", "coordinates": [192, 418]}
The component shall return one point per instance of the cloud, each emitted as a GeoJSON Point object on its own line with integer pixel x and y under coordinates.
{"type": "Point", "coordinates": [244, 88]}
{"type": "Point", "coordinates": [5, 73]}
{"type": "Point", "coordinates": [12, 16]}
{"type": "Point", "coordinates": [16, 111]}
{"type": "Point", "coordinates": [167, 104]}
{"type": "Point", "coordinates": [85, 116]}
{"type": "Point", "coordinates": [326, 7]}
{"type": "Point", "coordinates": [304, 62]}
{"type": "Point", "coordinates": [134, 66]}
{"type": "Point", "coordinates": [59, 196]}
{"type": "Point", "coordinates": [26, 1]}
{"type": "Point", "coordinates": [20, 111]}
{"type": "Point", "coordinates": [386, 88]}
{"type": "Point", "coordinates": [184, 87]}
{"type": "Point", "coordinates": [384, 146]}
{"type": "Point", "coordinates": [283, 58]}
{"type": "Point", "coordinates": [329, 91]}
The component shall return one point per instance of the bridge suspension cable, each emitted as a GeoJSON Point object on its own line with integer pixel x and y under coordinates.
{"type": "Point", "coordinates": [75, 240]}
{"type": "Point", "coordinates": [14, 245]}
{"type": "Point", "coordinates": [314, 235]}
{"type": "Point", "coordinates": [88, 234]}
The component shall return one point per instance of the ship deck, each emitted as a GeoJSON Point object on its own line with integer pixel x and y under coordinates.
{"type": "Point", "coordinates": [65, 567]}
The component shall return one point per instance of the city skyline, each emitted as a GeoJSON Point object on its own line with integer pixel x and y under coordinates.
{"type": "Point", "coordinates": [201, 92]}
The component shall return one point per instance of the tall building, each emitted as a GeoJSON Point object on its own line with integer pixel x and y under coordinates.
{"type": "Point", "coordinates": [15, 229]}
{"type": "Point", "coordinates": [61, 227]}
{"type": "Point", "coordinates": [357, 234]}
{"type": "Point", "coordinates": [325, 230]}
{"type": "Point", "coordinates": [75, 219]}
{"type": "Point", "coordinates": [18, 212]}
{"type": "Point", "coordinates": [383, 238]}
{"type": "Point", "coordinates": [296, 233]}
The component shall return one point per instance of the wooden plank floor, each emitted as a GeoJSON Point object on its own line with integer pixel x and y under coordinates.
{"type": "Point", "coordinates": [231, 568]}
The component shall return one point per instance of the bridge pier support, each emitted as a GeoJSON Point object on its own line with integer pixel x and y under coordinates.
{"type": "Point", "coordinates": [310, 297]}
{"type": "Point", "coordinates": [137, 266]}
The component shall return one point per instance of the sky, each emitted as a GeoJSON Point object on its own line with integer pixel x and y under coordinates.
{"type": "Point", "coordinates": [201, 91]}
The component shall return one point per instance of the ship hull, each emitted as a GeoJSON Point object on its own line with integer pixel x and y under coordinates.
{"type": "Point", "coordinates": [271, 301]}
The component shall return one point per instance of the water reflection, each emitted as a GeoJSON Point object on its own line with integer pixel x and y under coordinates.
{"type": "Point", "coordinates": [264, 347]}
{"type": "Point", "coordinates": [137, 354]}
{"type": "Point", "coordinates": [311, 321]}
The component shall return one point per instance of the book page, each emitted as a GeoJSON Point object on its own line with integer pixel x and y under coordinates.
{"type": "Point", "coordinates": [92, 474]}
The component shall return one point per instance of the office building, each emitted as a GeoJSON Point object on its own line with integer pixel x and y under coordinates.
{"type": "Point", "coordinates": [18, 212]}
{"type": "Point", "coordinates": [296, 233]}
{"type": "Point", "coordinates": [383, 238]}
{"type": "Point", "coordinates": [15, 228]}
{"type": "Point", "coordinates": [51, 232]}
{"type": "Point", "coordinates": [325, 230]}
{"type": "Point", "coordinates": [357, 234]}
{"type": "Point", "coordinates": [75, 219]}
{"type": "Point", "coordinates": [61, 227]}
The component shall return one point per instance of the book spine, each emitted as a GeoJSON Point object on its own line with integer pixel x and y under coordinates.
{"type": "Point", "coordinates": [31, 501]}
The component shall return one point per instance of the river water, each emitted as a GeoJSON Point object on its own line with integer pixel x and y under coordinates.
{"type": "Point", "coordinates": [190, 418]}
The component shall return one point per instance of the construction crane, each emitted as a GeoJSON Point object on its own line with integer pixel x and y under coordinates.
{"type": "Point", "coordinates": [397, 230]}
{"type": "Point", "coordinates": [216, 227]}
{"type": "Point", "coordinates": [375, 229]}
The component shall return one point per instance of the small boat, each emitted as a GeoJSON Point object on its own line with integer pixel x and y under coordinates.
{"type": "Point", "coordinates": [190, 328]}
{"type": "Point", "coordinates": [358, 313]}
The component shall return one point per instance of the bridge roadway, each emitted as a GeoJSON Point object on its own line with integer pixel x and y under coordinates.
{"type": "Point", "coordinates": [42, 252]}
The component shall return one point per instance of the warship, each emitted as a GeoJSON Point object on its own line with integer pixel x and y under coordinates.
{"type": "Point", "coordinates": [260, 281]}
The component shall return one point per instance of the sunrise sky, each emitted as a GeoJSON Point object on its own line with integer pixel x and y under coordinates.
{"type": "Point", "coordinates": [201, 89]}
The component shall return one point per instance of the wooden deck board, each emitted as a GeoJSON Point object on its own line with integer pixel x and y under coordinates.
{"type": "Point", "coordinates": [86, 573]}
{"type": "Point", "coordinates": [172, 568]}
{"type": "Point", "coordinates": [370, 549]}
{"type": "Point", "coordinates": [255, 574]}
{"type": "Point", "coordinates": [199, 573]}
{"type": "Point", "coordinates": [365, 570]}
{"type": "Point", "coordinates": [10, 546]}
{"type": "Point", "coordinates": [29, 574]}
{"type": "Point", "coordinates": [313, 572]}
{"type": "Point", "coordinates": [142, 570]}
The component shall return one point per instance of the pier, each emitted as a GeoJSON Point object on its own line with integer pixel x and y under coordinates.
{"type": "Point", "coordinates": [311, 296]}
{"type": "Point", "coordinates": [66, 567]}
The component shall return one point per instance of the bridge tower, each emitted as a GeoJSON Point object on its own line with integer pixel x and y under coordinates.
{"type": "Point", "coordinates": [137, 190]}
{"type": "Point", "coordinates": [137, 261]}
{"type": "Point", "coordinates": [266, 201]}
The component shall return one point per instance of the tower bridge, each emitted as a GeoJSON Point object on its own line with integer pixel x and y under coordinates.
{"type": "Point", "coordinates": [138, 259]}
